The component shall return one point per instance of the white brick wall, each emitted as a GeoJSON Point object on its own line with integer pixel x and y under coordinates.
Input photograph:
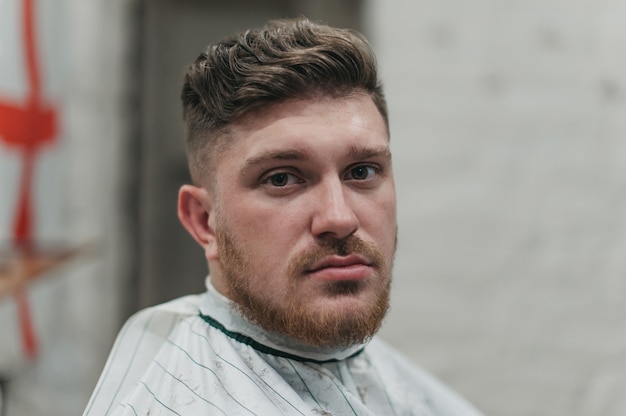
{"type": "Point", "coordinates": [509, 139]}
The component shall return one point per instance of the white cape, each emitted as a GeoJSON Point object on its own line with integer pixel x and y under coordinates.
{"type": "Point", "coordinates": [197, 356]}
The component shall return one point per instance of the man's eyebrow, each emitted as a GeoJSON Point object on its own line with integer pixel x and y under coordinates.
{"type": "Point", "coordinates": [366, 152]}
{"type": "Point", "coordinates": [354, 153]}
{"type": "Point", "coordinates": [292, 154]}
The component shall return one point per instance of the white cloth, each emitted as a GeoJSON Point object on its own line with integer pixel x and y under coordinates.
{"type": "Point", "coordinates": [197, 356]}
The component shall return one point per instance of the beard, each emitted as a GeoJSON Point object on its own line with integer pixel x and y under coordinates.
{"type": "Point", "coordinates": [340, 324]}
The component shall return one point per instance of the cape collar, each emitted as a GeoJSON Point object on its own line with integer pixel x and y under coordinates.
{"type": "Point", "coordinates": [221, 313]}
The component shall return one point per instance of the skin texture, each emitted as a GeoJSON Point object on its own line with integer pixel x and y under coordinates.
{"type": "Point", "coordinates": [299, 228]}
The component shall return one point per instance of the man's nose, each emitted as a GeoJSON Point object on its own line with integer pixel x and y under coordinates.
{"type": "Point", "coordinates": [334, 216]}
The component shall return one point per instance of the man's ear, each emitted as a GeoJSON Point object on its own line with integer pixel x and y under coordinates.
{"type": "Point", "coordinates": [195, 212]}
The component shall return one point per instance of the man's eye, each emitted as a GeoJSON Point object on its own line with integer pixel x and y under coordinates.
{"type": "Point", "coordinates": [281, 179]}
{"type": "Point", "coordinates": [361, 173]}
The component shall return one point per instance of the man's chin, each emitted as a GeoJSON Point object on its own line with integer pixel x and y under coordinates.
{"type": "Point", "coordinates": [349, 326]}
{"type": "Point", "coordinates": [346, 288]}
{"type": "Point", "coordinates": [340, 319]}
{"type": "Point", "coordinates": [345, 317]}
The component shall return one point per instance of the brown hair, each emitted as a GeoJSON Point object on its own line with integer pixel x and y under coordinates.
{"type": "Point", "coordinates": [291, 58]}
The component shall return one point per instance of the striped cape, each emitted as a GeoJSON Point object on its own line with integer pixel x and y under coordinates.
{"type": "Point", "coordinates": [197, 356]}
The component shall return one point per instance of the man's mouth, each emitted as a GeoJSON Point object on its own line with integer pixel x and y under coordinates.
{"type": "Point", "coordinates": [341, 268]}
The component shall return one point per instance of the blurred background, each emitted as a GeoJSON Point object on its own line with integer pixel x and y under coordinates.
{"type": "Point", "coordinates": [509, 141]}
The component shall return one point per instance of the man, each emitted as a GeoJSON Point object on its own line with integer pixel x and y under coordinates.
{"type": "Point", "coordinates": [293, 204]}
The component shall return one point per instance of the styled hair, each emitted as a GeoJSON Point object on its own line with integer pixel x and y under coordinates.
{"type": "Point", "coordinates": [285, 59]}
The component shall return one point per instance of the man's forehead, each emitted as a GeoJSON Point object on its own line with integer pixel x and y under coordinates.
{"type": "Point", "coordinates": [306, 128]}
{"type": "Point", "coordinates": [270, 112]}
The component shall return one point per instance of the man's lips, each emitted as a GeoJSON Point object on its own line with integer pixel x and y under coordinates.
{"type": "Point", "coordinates": [337, 268]}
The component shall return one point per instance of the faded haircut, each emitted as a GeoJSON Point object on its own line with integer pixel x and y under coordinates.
{"type": "Point", "coordinates": [285, 59]}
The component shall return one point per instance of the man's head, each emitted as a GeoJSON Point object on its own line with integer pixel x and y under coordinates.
{"type": "Point", "coordinates": [284, 59]}
{"type": "Point", "coordinates": [294, 203]}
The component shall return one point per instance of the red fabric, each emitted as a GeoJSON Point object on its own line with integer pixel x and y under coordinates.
{"type": "Point", "coordinates": [27, 127]}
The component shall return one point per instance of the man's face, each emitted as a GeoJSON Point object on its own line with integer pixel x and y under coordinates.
{"type": "Point", "coordinates": [305, 219]}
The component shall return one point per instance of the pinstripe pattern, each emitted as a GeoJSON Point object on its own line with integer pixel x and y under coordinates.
{"type": "Point", "coordinates": [167, 360]}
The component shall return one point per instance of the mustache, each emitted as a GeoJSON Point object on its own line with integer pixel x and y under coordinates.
{"type": "Point", "coordinates": [344, 247]}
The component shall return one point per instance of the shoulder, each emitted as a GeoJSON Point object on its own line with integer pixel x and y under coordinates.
{"type": "Point", "coordinates": [148, 328]}
{"type": "Point", "coordinates": [406, 376]}
{"type": "Point", "coordinates": [139, 340]}
{"type": "Point", "coordinates": [158, 320]}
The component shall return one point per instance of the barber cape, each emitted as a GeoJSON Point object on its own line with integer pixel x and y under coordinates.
{"type": "Point", "coordinates": [197, 355]}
